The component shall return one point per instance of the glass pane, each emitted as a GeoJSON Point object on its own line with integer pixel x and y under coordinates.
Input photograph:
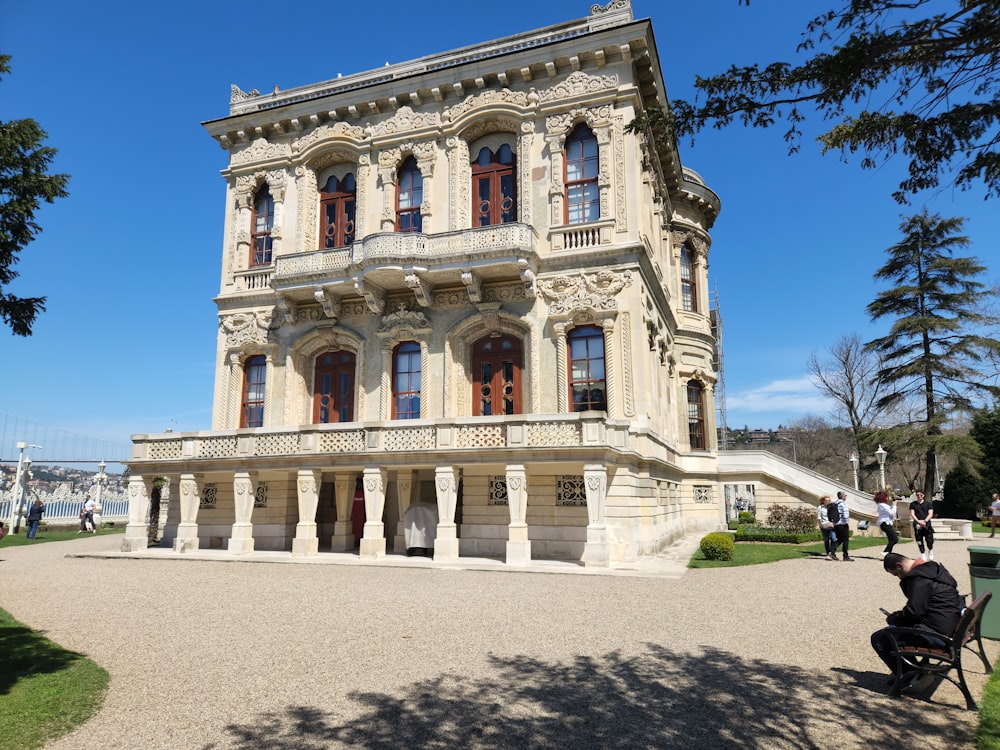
{"type": "Point", "coordinates": [349, 223]}
{"type": "Point", "coordinates": [507, 198]}
{"type": "Point", "coordinates": [505, 155]}
{"type": "Point", "coordinates": [483, 207]}
{"type": "Point", "coordinates": [349, 184]}
{"type": "Point", "coordinates": [485, 155]}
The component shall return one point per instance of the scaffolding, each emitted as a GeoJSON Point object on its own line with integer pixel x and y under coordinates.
{"type": "Point", "coordinates": [715, 315]}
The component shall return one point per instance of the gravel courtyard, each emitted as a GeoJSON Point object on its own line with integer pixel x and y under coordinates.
{"type": "Point", "coordinates": [213, 655]}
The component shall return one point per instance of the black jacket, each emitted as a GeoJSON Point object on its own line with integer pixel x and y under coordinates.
{"type": "Point", "coordinates": [932, 599]}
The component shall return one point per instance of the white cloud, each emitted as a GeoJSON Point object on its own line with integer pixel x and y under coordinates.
{"type": "Point", "coordinates": [777, 402]}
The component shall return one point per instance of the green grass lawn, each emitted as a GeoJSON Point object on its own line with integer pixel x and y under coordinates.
{"type": "Point", "coordinates": [45, 690]}
{"type": "Point", "coordinates": [53, 535]}
{"type": "Point", "coordinates": [756, 553]}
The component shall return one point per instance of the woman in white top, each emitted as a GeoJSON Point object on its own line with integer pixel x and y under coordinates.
{"type": "Point", "coordinates": [886, 507]}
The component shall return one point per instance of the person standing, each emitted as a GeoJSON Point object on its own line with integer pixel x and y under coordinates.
{"type": "Point", "coordinates": [885, 505]}
{"type": "Point", "coordinates": [921, 513]}
{"type": "Point", "coordinates": [994, 513]}
{"type": "Point", "coordinates": [35, 512]}
{"type": "Point", "coordinates": [87, 516]}
{"type": "Point", "coordinates": [826, 527]}
{"type": "Point", "coordinates": [843, 524]}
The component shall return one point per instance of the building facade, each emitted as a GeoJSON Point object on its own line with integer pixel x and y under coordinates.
{"type": "Point", "coordinates": [463, 281]}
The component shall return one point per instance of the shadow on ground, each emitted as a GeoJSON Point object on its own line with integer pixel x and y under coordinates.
{"type": "Point", "coordinates": [658, 699]}
{"type": "Point", "coordinates": [23, 653]}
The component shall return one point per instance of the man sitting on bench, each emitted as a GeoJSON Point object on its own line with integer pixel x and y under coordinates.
{"type": "Point", "coordinates": [933, 605]}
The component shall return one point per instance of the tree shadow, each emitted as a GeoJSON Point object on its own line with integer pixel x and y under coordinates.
{"type": "Point", "coordinates": [25, 652]}
{"type": "Point", "coordinates": [657, 699]}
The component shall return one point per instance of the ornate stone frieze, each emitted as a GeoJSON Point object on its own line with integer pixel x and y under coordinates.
{"type": "Point", "coordinates": [487, 99]}
{"type": "Point", "coordinates": [579, 83]}
{"type": "Point", "coordinates": [490, 125]}
{"type": "Point", "coordinates": [243, 328]}
{"type": "Point", "coordinates": [424, 151]}
{"type": "Point", "coordinates": [260, 150]}
{"type": "Point", "coordinates": [403, 317]}
{"type": "Point", "coordinates": [679, 237]}
{"type": "Point", "coordinates": [593, 291]}
{"type": "Point", "coordinates": [328, 131]}
{"type": "Point", "coordinates": [614, 5]}
{"type": "Point", "coordinates": [497, 293]}
{"type": "Point", "coordinates": [594, 116]}
{"type": "Point", "coordinates": [618, 147]}
{"type": "Point", "coordinates": [406, 120]}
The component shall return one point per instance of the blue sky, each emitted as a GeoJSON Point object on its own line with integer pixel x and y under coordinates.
{"type": "Point", "coordinates": [130, 261]}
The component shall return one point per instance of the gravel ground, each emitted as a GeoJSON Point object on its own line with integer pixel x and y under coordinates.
{"type": "Point", "coordinates": [211, 655]}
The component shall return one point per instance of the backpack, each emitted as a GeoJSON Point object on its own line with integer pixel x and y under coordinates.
{"type": "Point", "coordinates": [833, 513]}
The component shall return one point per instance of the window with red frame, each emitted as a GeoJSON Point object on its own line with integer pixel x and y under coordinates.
{"type": "Point", "coordinates": [496, 375]}
{"type": "Point", "coordinates": [696, 415]}
{"type": "Point", "coordinates": [583, 200]}
{"type": "Point", "coordinates": [337, 207]}
{"type": "Point", "coordinates": [493, 187]}
{"type": "Point", "coordinates": [406, 381]}
{"type": "Point", "coordinates": [689, 292]}
{"type": "Point", "coordinates": [261, 224]}
{"type": "Point", "coordinates": [333, 388]}
{"type": "Point", "coordinates": [409, 196]}
{"type": "Point", "coordinates": [587, 385]}
{"type": "Point", "coordinates": [254, 381]}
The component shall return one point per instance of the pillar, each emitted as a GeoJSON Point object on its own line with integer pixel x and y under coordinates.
{"type": "Point", "coordinates": [187, 530]}
{"type": "Point", "coordinates": [404, 495]}
{"type": "Point", "coordinates": [596, 550]}
{"type": "Point", "coordinates": [241, 540]}
{"type": "Point", "coordinates": [343, 488]}
{"type": "Point", "coordinates": [306, 542]}
{"type": "Point", "coordinates": [373, 541]}
{"type": "Point", "coordinates": [136, 538]}
{"type": "Point", "coordinates": [518, 544]}
{"type": "Point", "coordinates": [446, 487]}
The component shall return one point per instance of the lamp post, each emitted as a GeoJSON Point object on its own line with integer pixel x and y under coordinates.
{"type": "Point", "coordinates": [19, 483]}
{"type": "Point", "coordinates": [854, 467]}
{"type": "Point", "coordinates": [880, 455]}
{"type": "Point", "coordinates": [100, 478]}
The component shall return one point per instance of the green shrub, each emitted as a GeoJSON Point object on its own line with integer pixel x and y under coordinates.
{"type": "Point", "coordinates": [796, 520]}
{"type": "Point", "coordinates": [783, 536]}
{"type": "Point", "coordinates": [746, 517]}
{"type": "Point", "coordinates": [718, 546]}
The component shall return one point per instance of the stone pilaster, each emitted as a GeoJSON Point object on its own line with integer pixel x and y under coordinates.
{"type": "Point", "coordinates": [136, 530]}
{"type": "Point", "coordinates": [404, 495]}
{"type": "Point", "coordinates": [446, 486]}
{"type": "Point", "coordinates": [518, 544]}
{"type": "Point", "coordinates": [306, 541]}
{"type": "Point", "coordinates": [373, 542]}
{"type": "Point", "coordinates": [596, 552]}
{"type": "Point", "coordinates": [187, 530]}
{"type": "Point", "coordinates": [241, 540]}
{"type": "Point", "coordinates": [343, 487]}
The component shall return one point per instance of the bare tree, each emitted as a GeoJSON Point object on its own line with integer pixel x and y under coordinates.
{"type": "Point", "coordinates": [851, 376]}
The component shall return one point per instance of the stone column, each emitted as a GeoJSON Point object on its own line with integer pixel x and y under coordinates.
{"type": "Point", "coordinates": [518, 544]}
{"type": "Point", "coordinates": [373, 542]}
{"type": "Point", "coordinates": [241, 540]}
{"type": "Point", "coordinates": [306, 542]}
{"type": "Point", "coordinates": [136, 538]}
{"type": "Point", "coordinates": [610, 374]}
{"type": "Point", "coordinates": [343, 487]}
{"type": "Point", "coordinates": [404, 495]}
{"type": "Point", "coordinates": [446, 486]}
{"type": "Point", "coordinates": [562, 373]}
{"type": "Point", "coordinates": [596, 551]}
{"type": "Point", "coordinates": [187, 530]}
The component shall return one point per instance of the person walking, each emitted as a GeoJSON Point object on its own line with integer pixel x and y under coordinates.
{"type": "Point", "coordinates": [921, 513]}
{"type": "Point", "coordinates": [994, 513]}
{"type": "Point", "coordinates": [826, 527]}
{"type": "Point", "coordinates": [885, 505]}
{"type": "Point", "coordinates": [843, 524]}
{"type": "Point", "coordinates": [35, 512]}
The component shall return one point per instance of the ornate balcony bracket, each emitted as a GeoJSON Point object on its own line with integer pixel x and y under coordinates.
{"type": "Point", "coordinates": [472, 286]}
{"type": "Point", "coordinates": [528, 278]}
{"type": "Point", "coordinates": [374, 297]}
{"type": "Point", "coordinates": [286, 311]}
{"type": "Point", "coordinates": [329, 302]}
{"type": "Point", "coordinates": [421, 289]}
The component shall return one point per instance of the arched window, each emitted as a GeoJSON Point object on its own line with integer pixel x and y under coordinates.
{"type": "Point", "coordinates": [254, 380]}
{"type": "Point", "coordinates": [261, 224]}
{"type": "Point", "coordinates": [409, 196]}
{"type": "Point", "coordinates": [583, 200]}
{"type": "Point", "coordinates": [493, 187]}
{"type": "Point", "coordinates": [587, 387]}
{"type": "Point", "coordinates": [337, 211]}
{"type": "Point", "coordinates": [496, 375]}
{"type": "Point", "coordinates": [406, 381]}
{"type": "Point", "coordinates": [696, 415]}
{"type": "Point", "coordinates": [689, 292]}
{"type": "Point", "coordinates": [333, 389]}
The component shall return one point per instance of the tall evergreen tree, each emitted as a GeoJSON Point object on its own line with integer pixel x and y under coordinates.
{"type": "Point", "coordinates": [935, 349]}
{"type": "Point", "coordinates": [24, 183]}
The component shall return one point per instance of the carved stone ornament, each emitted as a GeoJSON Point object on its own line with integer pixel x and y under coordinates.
{"type": "Point", "coordinates": [579, 83]}
{"type": "Point", "coordinates": [405, 120]}
{"type": "Point", "coordinates": [261, 150]}
{"type": "Point", "coordinates": [329, 131]}
{"type": "Point", "coordinates": [403, 317]}
{"type": "Point", "coordinates": [488, 99]}
{"type": "Point", "coordinates": [238, 95]}
{"type": "Point", "coordinates": [588, 291]}
{"type": "Point", "coordinates": [243, 328]}
{"type": "Point", "coordinates": [596, 10]}
{"type": "Point", "coordinates": [594, 117]}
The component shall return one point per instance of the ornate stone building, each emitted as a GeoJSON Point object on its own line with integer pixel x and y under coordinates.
{"type": "Point", "coordinates": [458, 280]}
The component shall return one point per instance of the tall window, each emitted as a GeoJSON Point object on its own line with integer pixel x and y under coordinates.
{"type": "Point", "coordinates": [583, 200]}
{"type": "Point", "coordinates": [493, 187]}
{"type": "Point", "coordinates": [254, 380]}
{"type": "Point", "coordinates": [588, 389]}
{"type": "Point", "coordinates": [406, 381]}
{"type": "Point", "coordinates": [409, 196]}
{"type": "Point", "coordinates": [689, 292]}
{"type": "Point", "coordinates": [337, 211]}
{"type": "Point", "coordinates": [496, 374]}
{"type": "Point", "coordinates": [261, 225]}
{"type": "Point", "coordinates": [696, 415]}
{"type": "Point", "coordinates": [333, 389]}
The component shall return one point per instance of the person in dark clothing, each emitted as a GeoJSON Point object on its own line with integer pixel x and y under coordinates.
{"type": "Point", "coordinates": [35, 513]}
{"type": "Point", "coordinates": [933, 605]}
{"type": "Point", "coordinates": [921, 513]}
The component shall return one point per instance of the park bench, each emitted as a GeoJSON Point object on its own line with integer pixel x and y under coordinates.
{"type": "Point", "coordinates": [945, 663]}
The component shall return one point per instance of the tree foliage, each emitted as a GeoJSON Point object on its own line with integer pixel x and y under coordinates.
{"type": "Point", "coordinates": [934, 351]}
{"type": "Point", "coordinates": [918, 78]}
{"type": "Point", "coordinates": [24, 183]}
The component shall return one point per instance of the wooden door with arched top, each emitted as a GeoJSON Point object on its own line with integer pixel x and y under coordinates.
{"type": "Point", "coordinates": [333, 388]}
{"type": "Point", "coordinates": [496, 376]}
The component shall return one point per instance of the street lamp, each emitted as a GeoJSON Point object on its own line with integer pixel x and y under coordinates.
{"type": "Point", "coordinates": [880, 455]}
{"type": "Point", "coordinates": [100, 479]}
{"type": "Point", "coordinates": [18, 496]}
{"type": "Point", "coordinates": [854, 467]}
